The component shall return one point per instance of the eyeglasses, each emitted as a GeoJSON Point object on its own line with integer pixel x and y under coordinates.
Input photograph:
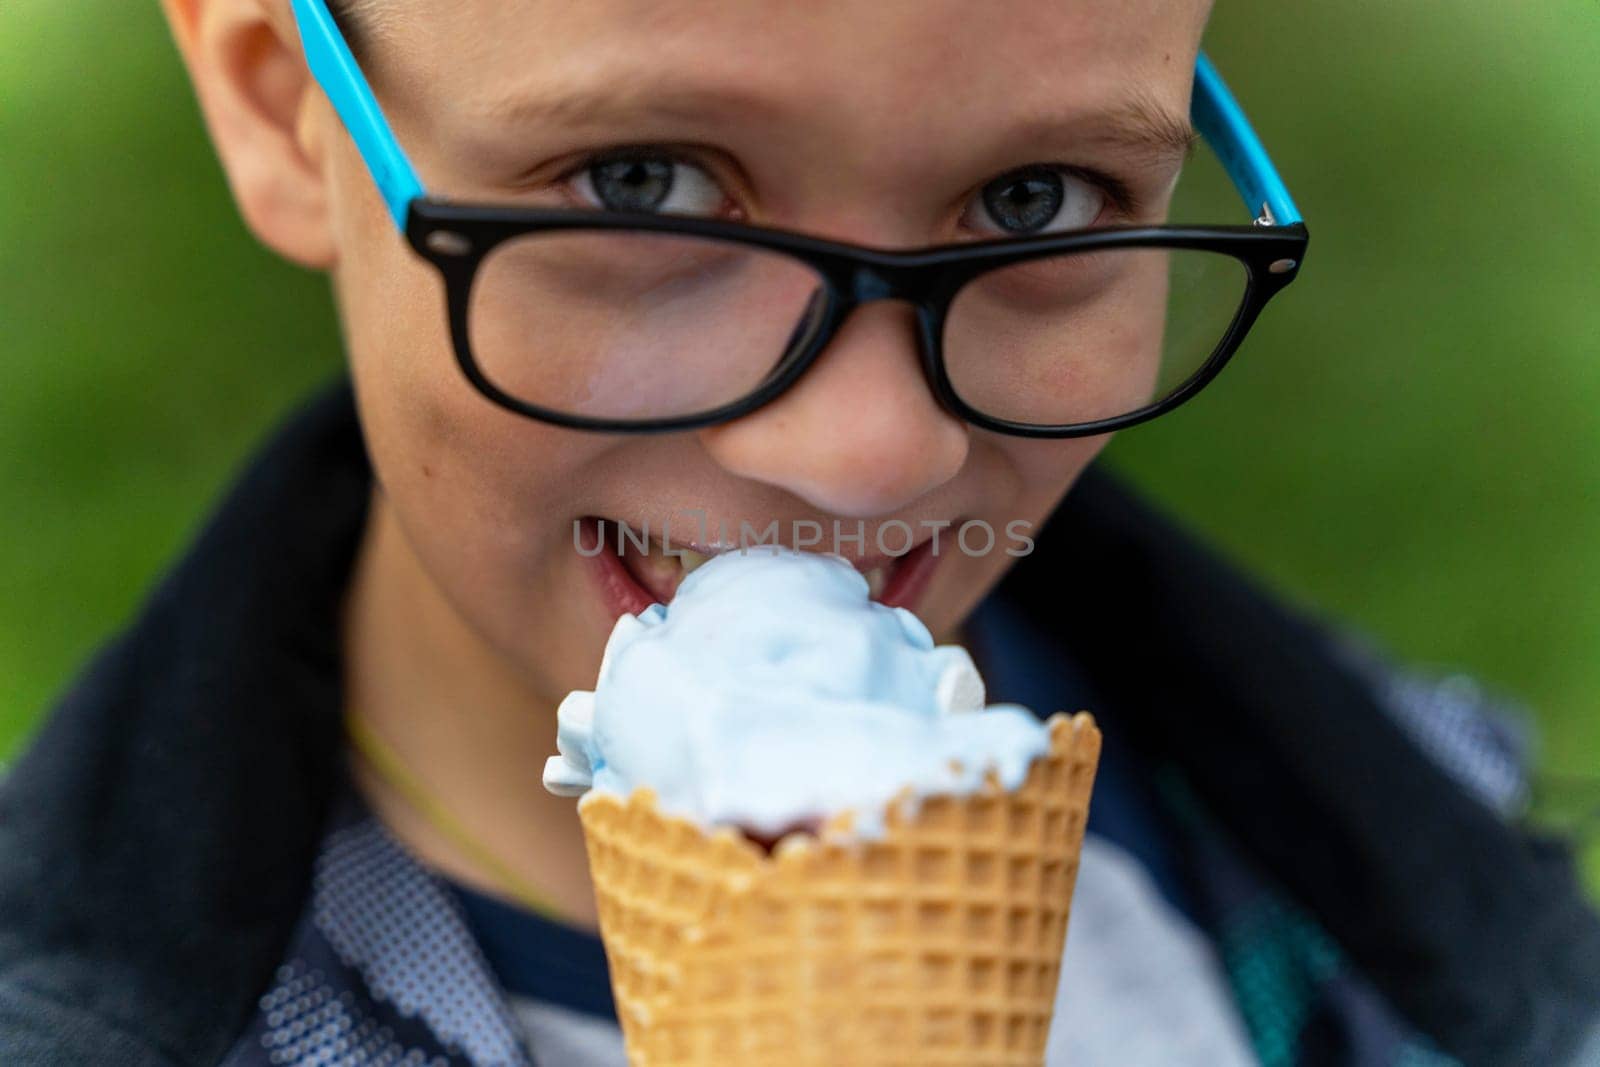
{"type": "Point", "coordinates": [639, 322]}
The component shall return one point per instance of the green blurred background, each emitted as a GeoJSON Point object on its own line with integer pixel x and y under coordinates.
{"type": "Point", "coordinates": [1410, 441]}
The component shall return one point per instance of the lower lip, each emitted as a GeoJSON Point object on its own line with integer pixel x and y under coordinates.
{"type": "Point", "coordinates": [908, 576]}
{"type": "Point", "coordinates": [621, 593]}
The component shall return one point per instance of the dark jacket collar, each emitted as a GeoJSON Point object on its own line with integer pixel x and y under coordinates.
{"type": "Point", "coordinates": [156, 841]}
{"type": "Point", "coordinates": [157, 838]}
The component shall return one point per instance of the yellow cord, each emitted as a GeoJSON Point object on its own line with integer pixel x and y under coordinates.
{"type": "Point", "coordinates": [387, 764]}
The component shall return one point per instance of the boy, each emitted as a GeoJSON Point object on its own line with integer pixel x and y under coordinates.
{"type": "Point", "coordinates": [192, 872]}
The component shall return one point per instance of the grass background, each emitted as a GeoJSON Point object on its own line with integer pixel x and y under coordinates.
{"type": "Point", "coordinates": [1410, 441]}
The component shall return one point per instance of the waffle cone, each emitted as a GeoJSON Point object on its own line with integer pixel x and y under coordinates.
{"type": "Point", "coordinates": [938, 943]}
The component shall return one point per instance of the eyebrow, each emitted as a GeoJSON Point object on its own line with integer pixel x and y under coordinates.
{"type": "Point", "coordinates": [1138, 123]}
{"type": "Point", "coordinates": [1143, 124]}
{"type": "Point", "coordinates": [629, 100]}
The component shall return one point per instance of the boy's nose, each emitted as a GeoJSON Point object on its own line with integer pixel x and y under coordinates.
{"type": "Point", "coordinates": [860, 433]}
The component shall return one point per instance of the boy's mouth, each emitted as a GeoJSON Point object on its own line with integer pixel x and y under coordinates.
{"type": "Point", "coordinates": [632, 580]}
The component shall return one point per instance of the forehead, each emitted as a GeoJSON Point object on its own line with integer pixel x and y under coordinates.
{"type": "Point", "coordinates": [919, 63]}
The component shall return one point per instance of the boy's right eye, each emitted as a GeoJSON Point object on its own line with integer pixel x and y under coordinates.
{"type": "Point", "coordinates": [647, 181]}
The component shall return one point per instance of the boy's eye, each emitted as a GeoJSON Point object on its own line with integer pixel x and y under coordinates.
{"type": "Point", "coordinates": [648, 182]}
{"type": "Point", "coordinates": [1035, 200]}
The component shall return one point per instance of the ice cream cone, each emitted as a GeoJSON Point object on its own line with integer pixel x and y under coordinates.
{"type": "Point", "coordinates": [938, 943]}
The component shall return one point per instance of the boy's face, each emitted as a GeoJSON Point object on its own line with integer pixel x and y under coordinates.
{"type": "Point", "coordinates": [872, 121]}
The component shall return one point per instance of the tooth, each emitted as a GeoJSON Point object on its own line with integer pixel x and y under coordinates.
{"type": "Point", "coordinates": [877, 577]}
{"type": "Point", "coordinates": [657, 568]}
{"type": "Point", "coordinates": [691, 560]}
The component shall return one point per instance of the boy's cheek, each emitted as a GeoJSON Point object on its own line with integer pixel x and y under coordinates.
{"type": "Point", "coordinates": [1047, 468]}
{"type": "Point", "coordinates": [444, 453]}
{"type": "Point", "coordinates": [437, 444]}
{"type": "Point", "coordinates": [480, 502]}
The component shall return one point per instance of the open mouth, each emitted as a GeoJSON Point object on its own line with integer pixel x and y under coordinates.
{"type": "Point", "coordinates": [632, 580]}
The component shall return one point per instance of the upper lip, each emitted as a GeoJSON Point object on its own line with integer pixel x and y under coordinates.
{"type": "Point", "coordinates": [862, 563]}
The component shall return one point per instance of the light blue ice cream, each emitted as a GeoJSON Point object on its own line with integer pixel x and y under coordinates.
{"type": "Point", "coordinates": [773, 692]}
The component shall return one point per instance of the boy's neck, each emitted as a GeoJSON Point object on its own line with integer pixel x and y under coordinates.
{"type": "Point", "coordinates": [463, 723]}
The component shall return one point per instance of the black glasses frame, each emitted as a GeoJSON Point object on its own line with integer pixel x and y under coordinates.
{"type": "Point", "coordinates": [456, 238]}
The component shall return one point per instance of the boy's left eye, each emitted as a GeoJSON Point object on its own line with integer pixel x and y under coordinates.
{"type": "Point", "coordinates": [1037, 199]}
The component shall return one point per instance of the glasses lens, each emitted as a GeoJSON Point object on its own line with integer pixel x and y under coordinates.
{"type": "Point", "coordinates": [630, 325]}
{"type": "Point", "coordinates": [1078, 338]}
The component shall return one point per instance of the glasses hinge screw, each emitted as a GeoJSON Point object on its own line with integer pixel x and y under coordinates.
{"type": "Point", "coordinates": [448, 243]}
{"type": "Point", "coordinates": [1266, 217]}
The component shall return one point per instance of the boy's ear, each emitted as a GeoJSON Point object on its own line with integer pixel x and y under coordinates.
{"type": "Point", "coordinates": [261, 108]}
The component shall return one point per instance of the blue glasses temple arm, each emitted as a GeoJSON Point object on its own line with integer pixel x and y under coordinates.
{"type": "Point", "coordinates": [336, 70]}
{"type": "Point", "coordinates": [1220, 120]}
{"type": "Point", "coordinates": [1215, 113]}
